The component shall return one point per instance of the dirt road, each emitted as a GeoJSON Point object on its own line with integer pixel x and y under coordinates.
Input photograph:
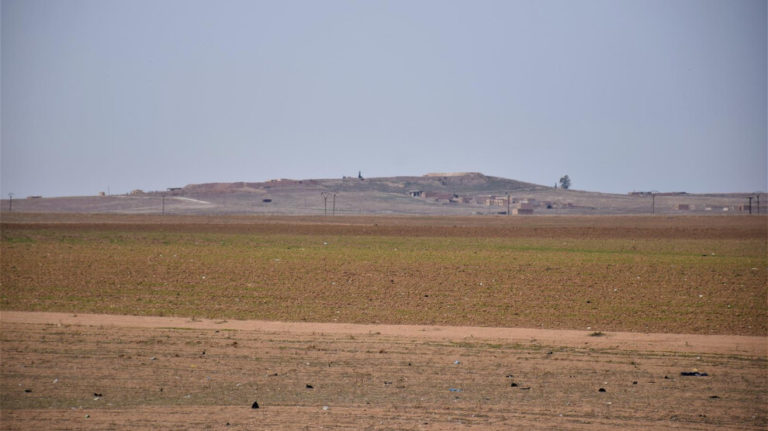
{"type": "Point", "coordinates": [65, 371]}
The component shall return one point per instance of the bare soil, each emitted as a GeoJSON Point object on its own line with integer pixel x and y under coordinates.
{"type": "Point", "coordinates": [704, 275]}
{"type": "Point", "coordinates": [77, 371]}
{"type": "Point", "coordinates": [578, 227]}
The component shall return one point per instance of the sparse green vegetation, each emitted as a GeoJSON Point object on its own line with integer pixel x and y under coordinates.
{"type": "Point", "coordinates": [602, 278]}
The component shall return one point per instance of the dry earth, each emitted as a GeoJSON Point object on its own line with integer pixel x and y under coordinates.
{"type": "Point", "coordinates": [97, 372]}
{"type": "Point", "coordinates": [76, 371]}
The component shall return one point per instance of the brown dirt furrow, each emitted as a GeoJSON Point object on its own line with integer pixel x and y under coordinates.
{"type": "Point", "coordinates": [677, 227]}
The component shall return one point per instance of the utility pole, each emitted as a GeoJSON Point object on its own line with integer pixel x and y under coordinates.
{"type": "Point", "coordinates": [507, 204]}
{"type": "Point", "coordinates": [750, 204]}
{"type": "Point", "coordinates": [163, 202]}
{"type": "Point", "coordinates": [10, 202]}
{"type": "Point", "coordinates": [325, 202]}
{"type": "Point", "coordinates": [653, 203]}
{"type": "Point", "coordinates": [334, 204]}
{"type": "Point", "coordinates": [758, 204]}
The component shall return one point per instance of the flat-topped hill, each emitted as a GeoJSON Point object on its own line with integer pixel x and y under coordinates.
{"type": "Point", "coordinates": [459, 193]}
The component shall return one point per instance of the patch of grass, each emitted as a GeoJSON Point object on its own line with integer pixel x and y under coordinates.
{"type": "Point", "coordinates": [17, 239]}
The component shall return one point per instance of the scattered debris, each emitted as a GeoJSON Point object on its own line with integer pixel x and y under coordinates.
{"type": "Point", "coordinates": [310, 386]}
{"type": "Point", "coordinates": [27, 390]}
{"type": "Point", "coordinates": [454, 390]}
{"type": "Point", "coordinates": [255, 405]}
{"type": "Point", "coordinates": [601, 390]}
{"type": "Point", "coordinates": [456, 362]}
{"type": "Point", "coordinates": [513, 385]}
{"type": "Point", "coordinates": [325, 408]}
{"type": "Point", "coordinates": [96, 394]}
{"type": "Point", "coordinates": [597, 334]}
{"type": "Point", "coordinates": [714, 397]}
{"type": "Point", "coordinates": [693, 373]}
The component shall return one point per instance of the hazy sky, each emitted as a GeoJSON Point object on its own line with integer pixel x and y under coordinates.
{"type": "Point", "coordinates": [149, 94]}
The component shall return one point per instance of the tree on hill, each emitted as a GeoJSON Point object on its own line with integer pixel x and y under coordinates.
{"type": "Point", "coordinates": [565, 182]}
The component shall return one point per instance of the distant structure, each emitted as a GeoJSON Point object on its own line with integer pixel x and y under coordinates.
{"type": "Point", "coordinates": [360, 175]}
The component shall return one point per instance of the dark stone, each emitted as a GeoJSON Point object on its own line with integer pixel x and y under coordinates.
{"type": "Point", "coordinates": [693, 373]}
{"type": "Point", "coordinates": [27, 390]}
{"type": "Point", "coordinates": [714, 397]}
{"type": "Point", "coordinates": [310, 387]}
{"type": "Point", "coordinates": [601, 390]}
{"type": "Point", "coordinates": [514, 385]}
{"type": "Point", "coordinates": [255, 405]}
{"type": "Point", "coordinates": [96, 394]}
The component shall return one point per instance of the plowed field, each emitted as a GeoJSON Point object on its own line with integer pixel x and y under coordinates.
{"type": "Point", "coordinates": [674, 274]}
{"type": "Point", "coordinates": [580, 280]}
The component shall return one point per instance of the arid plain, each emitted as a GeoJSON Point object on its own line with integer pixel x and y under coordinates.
{"type": "Point", "coordinates": [179, 322]}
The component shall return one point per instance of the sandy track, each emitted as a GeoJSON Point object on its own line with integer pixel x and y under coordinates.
{"type": "Point", "coordinates": [719, 344]}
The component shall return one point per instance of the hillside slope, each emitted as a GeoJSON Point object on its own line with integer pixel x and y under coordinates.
{"type": "Point", "coordinates": [468, 193]}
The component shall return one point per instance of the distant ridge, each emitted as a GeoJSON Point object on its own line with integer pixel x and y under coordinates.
{"type": "Point", "coordinates": [455, 182]}
{"type": "Point", "coordinates": [436, 193]}
{"type": "Point", "coordinates": [451, 174]}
